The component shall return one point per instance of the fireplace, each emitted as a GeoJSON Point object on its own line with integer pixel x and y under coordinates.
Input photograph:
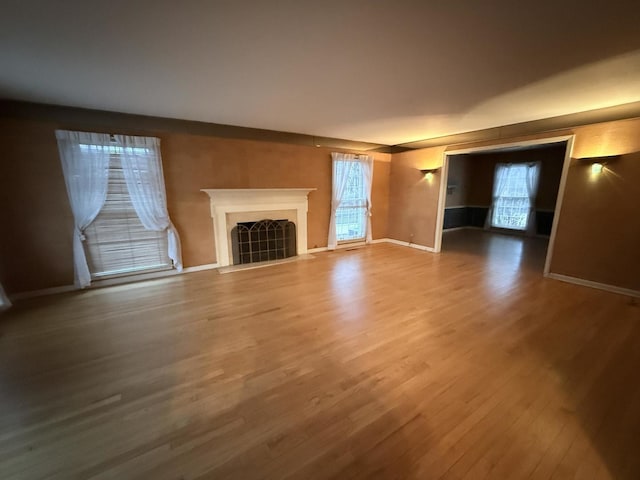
{"type": "Point", "coordinates": [231, 207]}
{"type": "Point", "coordinates": [263, 241]}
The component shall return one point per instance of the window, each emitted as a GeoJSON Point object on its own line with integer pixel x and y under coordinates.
{"type": "Point", "coordinates": [116, 241]}
{"type": "Point", "coordinates": [351, 216]}
{"type": "Point", "coordinates": [514, 190]}
{"type": "Point", "coordinates": [4, 300]}
{"type": "Point", "coordinates": [115, 187]}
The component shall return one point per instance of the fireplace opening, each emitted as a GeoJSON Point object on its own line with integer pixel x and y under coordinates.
{"type": "Point", "coordinates": [263, 241]}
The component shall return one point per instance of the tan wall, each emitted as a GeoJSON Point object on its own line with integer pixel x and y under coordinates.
{"type": "Point", "coordinates": [598, 231]}
{"type": "Point", "coordinates": [413, 200]}
{"type": "Point", "coordinates": [599, 227]}
{"type": "Point", "coordinates": [481, 169]}
{"type": "Point", "coordinates": [459, 181]}
{"type": "Point", "coordinates": [36, 249]}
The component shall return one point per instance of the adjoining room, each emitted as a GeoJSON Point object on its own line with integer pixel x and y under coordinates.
{"type": "Point", "coordinates": [500, 203]}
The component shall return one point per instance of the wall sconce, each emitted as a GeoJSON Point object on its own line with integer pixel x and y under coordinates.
{"type": "Point", "coordinates": [598, 163]}
{"type": "Point", "coordinates": [428, 172]}
{"type": "Point", "coordinates": [596, 168]}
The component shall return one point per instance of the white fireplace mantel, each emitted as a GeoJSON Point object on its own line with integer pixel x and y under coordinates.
{"type": "Point", "coordinates": [227, 201]}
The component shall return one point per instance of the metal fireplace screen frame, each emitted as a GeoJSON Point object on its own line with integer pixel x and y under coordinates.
{"type": "Point", "coordinates": [263, 241]}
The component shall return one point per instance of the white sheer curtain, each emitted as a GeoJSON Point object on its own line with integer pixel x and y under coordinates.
{"type": "Point", "coordinates": [367, 171]}
{"type": "Point", "coordinates": [499, 183]}
{"type": "Point", "coordinates": [85, 164]}
{"type": "Point", "coordinates": [343, 163]}
{"type": "Point", "coordinates": [142, 167]}
{"type": "Point", "coordinates": [4, 300]}
{"type": "Point", "coordinates": [533, 179]}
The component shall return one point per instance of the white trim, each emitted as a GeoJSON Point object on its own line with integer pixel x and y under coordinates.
{"type": "Point", "coordinates": [556, 216]}
{"type": "Point", "coordinates": [42, 292]}
{"type": "Point", "coordinates": [589, 283]}
{"type": "Point", "coordinates": [377, 240]}
{"type": "Point", "coordinates": [499, 146]}
{"type": "Point", "coordinates": [412, 245]}
{"type": "Point", "coordinates": [442, 200]}
{"type": "Point", "coordinates": [199, 268]}
{"type": "Point", "coordinates": [317, 250]}
{"type": "Point", "coordinates": [342, 246]}
{"type": "Point", "coordinates": [108, 282]}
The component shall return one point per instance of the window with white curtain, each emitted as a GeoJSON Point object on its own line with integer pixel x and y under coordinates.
{"type": "Point", "coordinates": [514, 190]}
{"type": "Point", "coordinates": [116, 191]}
{"type": "Point", "coordinates": [116, 241]}
{"type": "Point", "coordinates": [351, 216]}
{"type": "Point", "coordinates": [4, 300]}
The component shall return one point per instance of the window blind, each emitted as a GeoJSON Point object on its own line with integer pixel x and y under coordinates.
{"type": "Point", "coordinates": [116, 241]}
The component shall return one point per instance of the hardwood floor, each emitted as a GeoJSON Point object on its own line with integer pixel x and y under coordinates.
{"type": "Point", "coordinates": [377, 362]}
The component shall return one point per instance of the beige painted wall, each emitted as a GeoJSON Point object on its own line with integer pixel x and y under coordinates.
{"type": "Point", "coordinates": [413, 199]}
{"type": "Point", "coordinates": [35, 248]}
{"type": "Point", "coordinates": [458, 181]}
{"type": "Point", "coordinates": [598, 231]}
{"type": "Point", "coordinates": [599, 227]}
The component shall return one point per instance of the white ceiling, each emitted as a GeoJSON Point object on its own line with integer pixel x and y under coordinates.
{"type": "Point", "coordinates": [384, 71]}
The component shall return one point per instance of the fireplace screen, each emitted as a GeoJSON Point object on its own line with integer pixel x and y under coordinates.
{"type": "Point", "coordinates": [262, 241]}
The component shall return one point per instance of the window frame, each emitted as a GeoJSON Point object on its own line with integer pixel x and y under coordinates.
{"type": "Point", "coordinates": [513, 193]}
{"type": "Point", "coordinates": [358, 203]}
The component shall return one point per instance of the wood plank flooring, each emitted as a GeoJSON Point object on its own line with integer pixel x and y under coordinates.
{"type": "Point", "coordinates": [378, 362]}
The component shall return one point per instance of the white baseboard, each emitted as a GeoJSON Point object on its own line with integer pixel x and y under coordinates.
{"type": "Point", "coordinates": [377, 240]}
{"type": "Point", "coordinates": [108, 282]}
{"type": "Point", "coordinates": [408, 244]}
{"type": "Point", "coordinates": [199, 268]}
{"type": "Point", "coordinates": [599, 286]}
{"type": "Point", "coordinates": [42, 292]}
{"type": "Point", "coordinates": [339, 247]}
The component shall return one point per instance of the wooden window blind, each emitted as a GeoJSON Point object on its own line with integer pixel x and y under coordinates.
{"type": "Point", "coordinates": [116, 241]}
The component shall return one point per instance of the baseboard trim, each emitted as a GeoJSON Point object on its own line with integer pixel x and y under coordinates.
{"type": "Point", "coordinates": [409, 244]}
{"type": "Point", "coordinates": [377, 240]}
{"type": "Point", "coordinates": [109, 282]}
{"type": "Point", "coordinates": [42, 292]}
{"type": "Point", "coordinates": [466, 227]}
{"type": "Point", "coordinates": [599, 286]}
{"type": "Point", "coordinates": [341, 246]}
{"type": "Point", "coordinates": [199, 268]}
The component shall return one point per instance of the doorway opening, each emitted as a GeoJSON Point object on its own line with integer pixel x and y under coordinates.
{"type": "Point", "coordinates": [504, 200]}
